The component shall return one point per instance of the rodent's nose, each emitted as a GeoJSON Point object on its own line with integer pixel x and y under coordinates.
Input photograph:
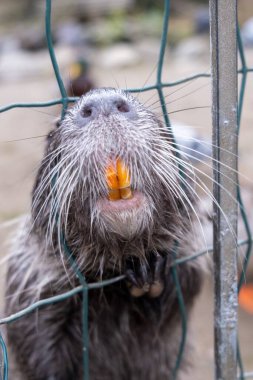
{"type": "Point", "coordinates": [87, 111]}
{"type": "Point", "coordinates": [120, 105]}
{"type": "Point", "coordinates": [114, 105]}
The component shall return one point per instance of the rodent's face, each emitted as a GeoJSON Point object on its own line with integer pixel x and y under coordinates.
{"type": "Point", "coordinates": [108, 137]}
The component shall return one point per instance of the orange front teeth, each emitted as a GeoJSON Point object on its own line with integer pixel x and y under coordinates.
{"type": "Point", "coordinates": [124, 180]}
{"type": "Point", "coordinates": [118, 181]}
{"type": "Point", "coordinates": [112, 182]}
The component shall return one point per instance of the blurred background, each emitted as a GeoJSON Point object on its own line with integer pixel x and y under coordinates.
{"type": "Point", "coordinates": [115, 43]}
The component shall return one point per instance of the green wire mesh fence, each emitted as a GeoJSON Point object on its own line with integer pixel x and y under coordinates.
{"type": "Point", "coordinates": [84, 288]}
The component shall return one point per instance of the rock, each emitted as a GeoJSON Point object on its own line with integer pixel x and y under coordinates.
{"type": "Point", "coordinates": [19, 64]}
{"type": "Point", "coordinates": [194, 47]}
{"type": "Point", "coordinates": [120, 55]}
{"type": "Point", "coordinates": [149, 47]}
{"type": "Point", "coordinates": [9, 44]}
{"type": "Point", "coordinates": [201, 20]}
{"type": "Point", "coordinates": [193, 146]}
{"type": "Point", "coordinates": [247, 32]}
{"type": "Point", "coordinates": [72, 33]}
{"type": "Point", "coordinates": [15, 65]}
{"type": "Point", "coordinates": [33, 39]}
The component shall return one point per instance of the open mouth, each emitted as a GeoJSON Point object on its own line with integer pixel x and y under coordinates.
{"type": "Point", "coordinates": [120, 195]}
{"type": "Point", "coordinates": [120, 205]}
{"type": "Point", "coordinates": [118, 181]}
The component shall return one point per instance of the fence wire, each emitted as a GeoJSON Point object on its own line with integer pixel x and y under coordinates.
{"type": "Point", "coordinates": [84, 288]}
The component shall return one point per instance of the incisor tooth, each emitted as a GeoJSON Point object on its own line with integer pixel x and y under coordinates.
{"type": "Point", "coordinates": [118, 181]}
{"type": "Point", "coordinates": [112, 182]}
{"type": "Point", "coordinates": [124, 180]}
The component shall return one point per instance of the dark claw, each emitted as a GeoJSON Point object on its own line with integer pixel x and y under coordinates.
{"type": "Point", "coordinates": [137, 273]}
{"type": "Point", "coordinates": [135, 288]}
{"type": "Point", "coordinates": [143, 274]}
{"type": "Point", "coordinates": [157, 285]}
{"type": "Point", "coordinates": [146, 279]}
{"type": "Point", "coordinates": [131, 277]}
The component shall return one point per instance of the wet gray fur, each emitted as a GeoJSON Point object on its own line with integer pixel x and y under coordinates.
{"type": "Point", "coordinates": [130, 338]}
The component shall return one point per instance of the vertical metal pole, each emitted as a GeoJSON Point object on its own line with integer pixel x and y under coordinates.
{"type": "Point", "coordinates": [224, 80]}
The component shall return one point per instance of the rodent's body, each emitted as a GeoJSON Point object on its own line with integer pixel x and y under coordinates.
{"type": "Point", "coordinates": [135, 324]}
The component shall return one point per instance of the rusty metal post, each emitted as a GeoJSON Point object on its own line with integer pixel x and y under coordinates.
{"type": "Point", "coordinates": [224, 81]}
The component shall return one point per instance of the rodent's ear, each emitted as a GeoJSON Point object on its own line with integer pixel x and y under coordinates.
{"type": "Point", "coordinates": [57, 122]}
{"type": "Point", "coordinates": [50, 135]}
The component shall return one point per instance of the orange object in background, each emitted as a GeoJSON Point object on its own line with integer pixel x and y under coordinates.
{"type": "Point", "coordinates": [245, 298]}
{"type": "Point", "coordinates": [118, 181]}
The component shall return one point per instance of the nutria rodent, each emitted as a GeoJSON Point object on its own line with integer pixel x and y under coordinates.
{"type": "Point", "coordinates": [135, 324]}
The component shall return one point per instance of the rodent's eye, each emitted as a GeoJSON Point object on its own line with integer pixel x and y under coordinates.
{"type": "Point", "coordinates": [122, 106]}
{"type": "Point", "coordinates": [86, 111]}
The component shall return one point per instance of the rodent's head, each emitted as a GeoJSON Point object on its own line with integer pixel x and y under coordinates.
{"type": "Point", "coordinates": [103, 128]}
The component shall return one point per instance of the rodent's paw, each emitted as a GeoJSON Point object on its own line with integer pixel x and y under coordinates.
{"type": "Point", "coordinates": [146, 279]}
